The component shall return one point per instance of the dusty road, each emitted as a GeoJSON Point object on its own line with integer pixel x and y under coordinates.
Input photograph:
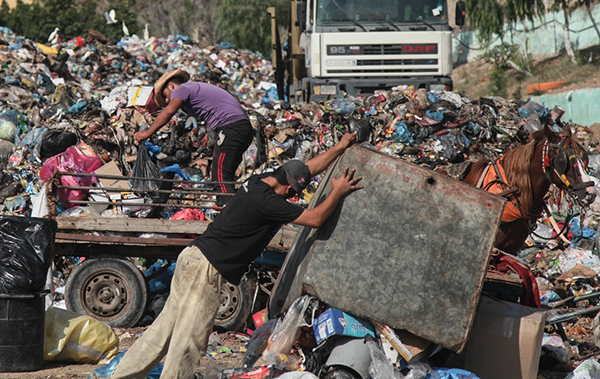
{"type": "Point", "coordinates": [126, 339]}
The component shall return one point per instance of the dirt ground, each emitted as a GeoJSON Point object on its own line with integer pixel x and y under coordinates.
{"type": "Point", "coordinates": [126, 338]}
{"type": "Point", "coordinates": [473, 78]}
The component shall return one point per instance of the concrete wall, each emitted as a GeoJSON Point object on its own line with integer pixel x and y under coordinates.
{"type": "Point", "coordinates": [541, 39]}
{"type": "Point", "coordinates": [581, 106]}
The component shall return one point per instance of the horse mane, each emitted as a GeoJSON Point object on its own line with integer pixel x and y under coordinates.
{"type": "Point", "coordinates": [516, 165]}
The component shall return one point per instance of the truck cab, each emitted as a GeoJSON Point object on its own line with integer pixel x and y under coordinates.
{"type": "Point", "coordinates": [357, 47]}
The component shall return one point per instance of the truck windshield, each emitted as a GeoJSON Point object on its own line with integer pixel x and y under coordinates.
{"type": "Point", "coordinates": [397, 11]}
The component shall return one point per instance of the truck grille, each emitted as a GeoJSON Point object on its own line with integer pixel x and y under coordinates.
{"type": "Point", "coordinates": [395, 62]}
{"type": "Point", "coordinates": [382, 49]}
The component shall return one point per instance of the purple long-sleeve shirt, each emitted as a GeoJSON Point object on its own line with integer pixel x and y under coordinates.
{"type": "Point", "coordinates": [210, 103]}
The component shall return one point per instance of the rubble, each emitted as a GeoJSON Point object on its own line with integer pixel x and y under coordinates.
{"type": "Point", "coordinates": [83, 100]}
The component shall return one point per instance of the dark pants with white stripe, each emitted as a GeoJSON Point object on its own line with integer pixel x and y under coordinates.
{"type": "Point", "coordinates": [232, 141]}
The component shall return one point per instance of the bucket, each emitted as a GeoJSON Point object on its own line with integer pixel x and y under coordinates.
{"type": "Point", "coordinates": [22, 332]}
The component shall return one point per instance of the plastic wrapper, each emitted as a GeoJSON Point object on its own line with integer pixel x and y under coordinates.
{"type": "Point", "coordinates": [71, 161]}
{"type": "Point", "coordinates": [70, 337]}
{"type": "Point", "coordinates": [298, 375]}
{"type": "Point", "coordinates": [258, 342]}
{"type": "Point", "coordinates": [588, 369]}
{"type": "Point", "coordinates": [287, 332]}
{"type": "Point", "coordinates": [55, 142]}
{"type": "Point", "coordinates": [381, 367]}
{"type": "Point", "coordinates": [26, 253]}
{"type": "Point", "coordinates": [106, 370]}
{"type": "Point", "coordinates": [144, 168]}
{"type": "Point", "coordinates": [8, 126]}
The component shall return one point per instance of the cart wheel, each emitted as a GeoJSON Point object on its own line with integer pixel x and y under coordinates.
{"type": "Point", "coordinates": [111, 290]}
{"type": "Point", "coordinates": [236, 305]}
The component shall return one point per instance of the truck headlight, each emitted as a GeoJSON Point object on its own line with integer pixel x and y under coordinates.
{"type": "Point", "coordinates": [437, 87]}
{"type": "Point", "coordinates": [325, 89]}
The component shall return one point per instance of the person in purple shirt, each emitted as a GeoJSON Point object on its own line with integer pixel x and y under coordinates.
{"type": "Point", "coordinates": [221, 112]}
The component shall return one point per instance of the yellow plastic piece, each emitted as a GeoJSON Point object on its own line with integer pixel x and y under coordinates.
{"type": "Point", "coordinates": [71, 337]}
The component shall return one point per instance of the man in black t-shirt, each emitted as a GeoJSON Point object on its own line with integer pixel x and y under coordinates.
{"type": "Point", "coordinates": [238, 235]}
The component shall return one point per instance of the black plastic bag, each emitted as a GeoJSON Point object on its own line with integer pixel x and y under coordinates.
{"type": "Point", "coordinates": [55, 142]}
{"type": "Point", "coordinates": [26, 252]}
{"type": "Point", "coordinates": [144, 168]}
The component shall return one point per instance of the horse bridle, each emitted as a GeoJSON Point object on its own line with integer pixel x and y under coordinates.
{"type": "Point", "coordinates": [555, 158]}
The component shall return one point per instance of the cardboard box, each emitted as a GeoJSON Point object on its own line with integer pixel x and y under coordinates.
{"type": "Point", "coordinates": [111, 168]}
{"type": "Point", "coordinates": [102, 196]}
{"type": "Point", "coordinates": [406, 346]}
{"type": "Point", "coordinates": [505, 341]}
{"type": "Point", "coordinates": [335, 322]}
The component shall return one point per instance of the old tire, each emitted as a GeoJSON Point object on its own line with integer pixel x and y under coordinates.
{"type": "Point", "coordinates": [111, 290]}
{"type": "Point", "coordinates": [236, 305]}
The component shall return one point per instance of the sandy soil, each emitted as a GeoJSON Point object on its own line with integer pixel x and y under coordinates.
{"type": "Point", "coordinates": [126, 339]}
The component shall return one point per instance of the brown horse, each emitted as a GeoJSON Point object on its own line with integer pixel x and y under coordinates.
{"type": "Point", "coordinates": [526, 173]}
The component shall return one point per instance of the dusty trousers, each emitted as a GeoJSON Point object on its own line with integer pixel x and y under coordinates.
{"type": "Point", "coordinates": [182, 329]}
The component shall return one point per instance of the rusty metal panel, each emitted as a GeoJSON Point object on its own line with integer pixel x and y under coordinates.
{"type": "Point", "coordinates": [409, 250]}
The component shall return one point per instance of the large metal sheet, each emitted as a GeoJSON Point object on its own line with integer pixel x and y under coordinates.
{"type": "Point", "coordinates": [410, 250]}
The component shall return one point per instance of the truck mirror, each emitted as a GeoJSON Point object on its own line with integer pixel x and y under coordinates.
{"type": "Point", "coordinates": [301, 15]}
{"type": "Point", "coordinates": [460, 13]}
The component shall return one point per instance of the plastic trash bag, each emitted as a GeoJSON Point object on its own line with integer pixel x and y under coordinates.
{"type": "Point", "coordinates": [106, 370]}
{"type": "Point", "coordinates": [451, 373]}
{"type": "Point", "coordinates": [6, 150]}
{"type": "Point", "coordinates": [381, 367]}
{"type": "Point", "coordinates": [161, 283]}
{"type": "Point", "coordinates": [71, 337]}
{"type": "Point", "coordinates": [8, 126]}
{"type": "Point", "coordinates": [55, 142]}
{"type": "Point", "coordinates": [33, 141]}
{"type": "Point", "coordinates": [288, 331]}
{"type": "Point", "coordinates": [298, 375]}
{"type": "Point", "coordinates": [258, 342]}
{"type": "Point", "coordinates": [144, 168]}
{"type": "Point", "coordinates": [26, 253]}
{"type": "Point", "coordinates": [588, 369]}
{"type": "Point", "coordinates": [71, 161]}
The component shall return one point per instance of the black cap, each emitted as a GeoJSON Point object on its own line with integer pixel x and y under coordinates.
{"type": "Point", "coordinates": [297, 174]}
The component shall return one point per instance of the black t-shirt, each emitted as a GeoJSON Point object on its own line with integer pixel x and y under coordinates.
{"type": "Point", "coordinates": [245, 227]}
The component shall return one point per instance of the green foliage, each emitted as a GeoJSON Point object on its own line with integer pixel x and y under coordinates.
{"type": "Point", "coordinates": [489, 16]}
{"type": "Point", "coordinates": [38, 19]}
{"type": "Point", "coordinates": [246, 24]}
{"type": "Point", "coordinates": [498, 82]}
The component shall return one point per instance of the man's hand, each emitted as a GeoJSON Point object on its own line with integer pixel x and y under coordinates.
{"type": "Point", "coordinates": [142, 135]}
{"type": "Point", "coordinates": [347, 140]}
{"type": "Point", "coordinates": [346, 183]}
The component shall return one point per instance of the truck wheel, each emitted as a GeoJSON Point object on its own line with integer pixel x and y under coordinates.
{"type": "Point", "coordinates": [111, 290]}
{"type": "Point", "coordinates": [236, 305]}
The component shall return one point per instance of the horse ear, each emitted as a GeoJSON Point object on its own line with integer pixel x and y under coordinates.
{"type": "Point", "coordinates": [550, 135]}
{"type": "Point", "coordinates": [567, 130]}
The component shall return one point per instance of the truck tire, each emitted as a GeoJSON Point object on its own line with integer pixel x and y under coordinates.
{"type": "Point", "coordinates": [236, 305]}
{"type": "Point", "coordinates": [111, 290]}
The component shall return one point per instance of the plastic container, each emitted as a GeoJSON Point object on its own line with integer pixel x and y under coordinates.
{"type": "Point", "coordinates": [22, 332]}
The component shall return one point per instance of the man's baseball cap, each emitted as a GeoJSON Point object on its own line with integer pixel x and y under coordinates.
{"type": "Point", "coordinates": [297, 174]}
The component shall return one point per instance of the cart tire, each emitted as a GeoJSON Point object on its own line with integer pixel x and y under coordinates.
{"type": "Point", "coordinates": [236, 305]}
{"type": "Point", "coordinates": [111, 290]}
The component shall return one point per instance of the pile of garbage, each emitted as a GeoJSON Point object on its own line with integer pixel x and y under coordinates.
{"type": "Point", "coordinates": [75, 106]}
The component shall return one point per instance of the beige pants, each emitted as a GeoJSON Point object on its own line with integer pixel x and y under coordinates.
{"type": "Point", "coordinates": [182, 329]}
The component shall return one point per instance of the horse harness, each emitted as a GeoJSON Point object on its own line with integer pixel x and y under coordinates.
{"type": "Point", "coordinates": [554, 158]}
{"type": "Point", "coordinates": [494, 181]}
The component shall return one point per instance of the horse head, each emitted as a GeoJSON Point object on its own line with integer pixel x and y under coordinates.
{"type": "Point", "coordinates": [565, 164]}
